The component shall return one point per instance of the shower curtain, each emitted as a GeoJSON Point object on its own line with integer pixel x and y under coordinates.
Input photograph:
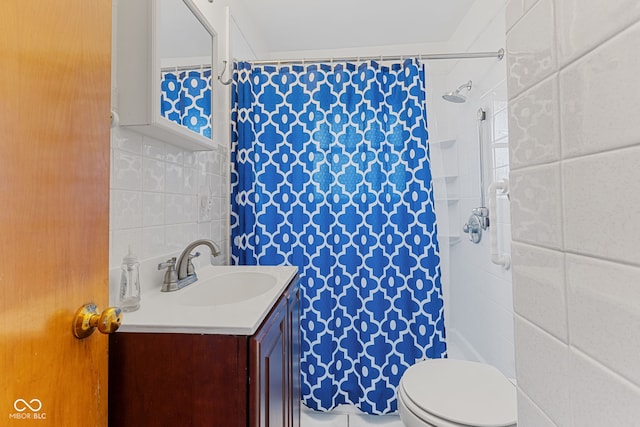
{"type": "Point", "coordinates": [330, 173]}
{"type": "Point", "coordinates": [185, 98]}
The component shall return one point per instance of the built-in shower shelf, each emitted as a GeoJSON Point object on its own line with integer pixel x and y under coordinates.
{"type": "Point", "coordinates": [449, 200]}
{"type": "Point", "coordinates": [452, 239]}
{"type": "Point", "coordinates": [448, 179]}
{"type": "Point", "coordinates": [446, 143]}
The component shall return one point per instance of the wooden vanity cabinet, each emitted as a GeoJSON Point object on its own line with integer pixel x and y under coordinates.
{"type": "Point", "coordinates": [275, 367]}
{"type": "Point", "coordinates": [169, 379]}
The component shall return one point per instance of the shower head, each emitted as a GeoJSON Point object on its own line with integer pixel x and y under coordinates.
{"type": "Point", "coordinates": [456, 96]}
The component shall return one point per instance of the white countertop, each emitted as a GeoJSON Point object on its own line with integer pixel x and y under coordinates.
{"type": "Point", "coordinates": [162, 312]}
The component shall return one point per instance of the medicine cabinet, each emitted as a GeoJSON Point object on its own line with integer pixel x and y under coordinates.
{"type": "Point", "coordinates": [166, 56]}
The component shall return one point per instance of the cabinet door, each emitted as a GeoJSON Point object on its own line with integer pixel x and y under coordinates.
{"type": "Point", "coordinates": [293, 344]}
{"type": "Point", "coordinates": [268, 372]}
{"type": "Point", "coordinates": [169, 380]}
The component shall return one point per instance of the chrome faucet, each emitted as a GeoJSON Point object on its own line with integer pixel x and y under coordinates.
{"type": "Point", "coordinates": [181, 272]}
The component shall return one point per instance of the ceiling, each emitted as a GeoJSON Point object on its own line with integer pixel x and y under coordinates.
{"type": "Point", "coordinates": [292, 25]}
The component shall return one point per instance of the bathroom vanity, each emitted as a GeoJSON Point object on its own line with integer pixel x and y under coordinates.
{"type": "Point", "coordinates": [206, 370]}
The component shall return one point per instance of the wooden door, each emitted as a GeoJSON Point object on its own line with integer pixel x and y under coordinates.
{"type": "Point", "coordinates": [54, 209]}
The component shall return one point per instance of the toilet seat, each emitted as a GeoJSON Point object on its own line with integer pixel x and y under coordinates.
{"type": "Point", "coordinates": [465, 394]}
{"type": "Point", "coordinates": [412, 416]}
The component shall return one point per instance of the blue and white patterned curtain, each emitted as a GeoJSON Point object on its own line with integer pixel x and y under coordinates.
{"type": "Point", "coordinates": [331, 174]}
{"type": "Point", "coordinates": [185, 98]}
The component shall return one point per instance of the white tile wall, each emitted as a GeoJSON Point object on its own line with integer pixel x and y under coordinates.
{"type": "Point", "coordinates": [531, 50]}
{"type": "Point", "coordinates": [598, 97]}
{"type": "Point", "coordinates": [539, 288]}
{"type": "Point", "coordinates": [587, 23]}
{"type": "Point", "coordinates": [576, 197]}
{"type": "Point", "coordinates": [480, 305]}
{"type": "Point", "coordinates": [543, 370]}
{"type": "Point", "coordinates": [529, 415]}
{"type": "Point", "coordinates": [536, 211]}
{"type": "Point", "coordinates": [513, 12]}
{"type": "Point", "coordinates": [600, 397]}
{"type": "Point", "coordinates": [593, 195]}
{"type": "Point", "coordinates": [603, 301]}
{"type": "Point", "coordinates": [155, 193]}
{"type": "Point", "coordinates": [534, 127]}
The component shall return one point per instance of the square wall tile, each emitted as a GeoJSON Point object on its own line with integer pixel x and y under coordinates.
{"type": "Point", "coordinates": [604, 314]}
{"type": "Point", "coordinates": [534, 126]}
{"type": "Point", "coordinates": [599, 97]}
{"type": "Point", "coordinates": [180, 208]}
{"type": "Point", "coordinates": [583, 24]}
{"type": "Point", "coordinates": [217, 228]}
{"type": "Point", "coordinates": [153, 149]}
{"type": "Point", "coordinates": [153, 242]}
{"type": "Point", "coordinates": [177, 236]}
{"type": "Point", "coordinates": [126, 140]}
{"type": "Point", "coordinates": [204, 230]}
{"type": "Point", "coordinates": [126, 170]}
{"type": "Point", "coordinates": [600, 397]}
{"type": "Point", "coordinates": [542, 365]}
{"type": "Point", "coordinates": [152, 209]}
{"type": "Point", "coordinates": [513, 11]}
{"type": "Point", "coordinates": [539, 288]}
{"type": "Point", "coordinates": [174, 178]}
{"type": "Point", "coordinates": [153, 177]}
{"type": "Point", "coordinates": [602, 205]}
{"type": "Point", "coordinates": [190, 181]}
{"type": "Point", "coordinates": [530, 415]}
{"type": "Point", "coordinates": [126, 209]}
{"type": "Point", "coordinates": [536, 209]}
{"type": "Point", "coordinates": [500, 156]}
{"type": "Point", "coordinates": [500, 125]}
{"type": "Point", "coordinates": [531, 49]}
{"type": "Point", "coordinates": [190, 159]}
{"type": "Point", "coordinates": [173, 154]}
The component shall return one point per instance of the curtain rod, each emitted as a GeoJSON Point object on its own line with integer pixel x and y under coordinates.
{"type": "Point", "coordinates": [499, 55]}
{"type": "Point", "coordinates": [186, 67]}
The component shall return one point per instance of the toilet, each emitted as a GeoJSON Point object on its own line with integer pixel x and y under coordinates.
{"type": "Point", "coordinates": [456, 393]}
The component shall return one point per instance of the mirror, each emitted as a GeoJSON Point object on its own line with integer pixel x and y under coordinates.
{"type": "Point", "coordinates": [165, 60]}
{"type": "Point", "coordinates": [185, 54]}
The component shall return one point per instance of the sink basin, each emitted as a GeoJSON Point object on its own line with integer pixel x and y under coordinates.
{"type": "Point", "coordinates": [227, 288]}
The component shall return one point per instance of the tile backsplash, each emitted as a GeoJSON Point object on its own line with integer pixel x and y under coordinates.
{"type": "Point", "coordinates": [163, 197]}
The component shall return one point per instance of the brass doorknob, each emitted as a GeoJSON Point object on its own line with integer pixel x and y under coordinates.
{"type": "Point", "coordinates": [87, 319]}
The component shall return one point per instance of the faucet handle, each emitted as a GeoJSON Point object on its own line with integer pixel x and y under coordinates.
{"type": "Point", "coordinates": [168, 264]}
{"type": "Point", "coordinates": [170, 282]}
{"type": "Point", "coordinates": [190, 267]}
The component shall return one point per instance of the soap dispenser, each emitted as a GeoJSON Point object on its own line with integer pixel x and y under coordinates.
{"type": "Point", "coordinates": [130, 283]}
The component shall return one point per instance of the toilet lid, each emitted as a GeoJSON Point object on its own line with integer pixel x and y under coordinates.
{"type": "Point", "coordinates": [462, 392]}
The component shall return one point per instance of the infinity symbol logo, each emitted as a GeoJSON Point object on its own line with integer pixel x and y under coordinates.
{"type": "Point", "coordinates": [21, 405]}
